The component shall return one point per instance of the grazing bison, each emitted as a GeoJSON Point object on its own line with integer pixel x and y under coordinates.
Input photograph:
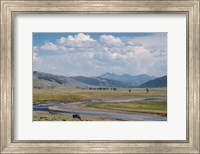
{"type": "Point", "coordinates": [77, 116]}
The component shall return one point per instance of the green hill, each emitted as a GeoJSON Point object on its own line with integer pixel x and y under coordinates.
{"type": "Point", "coordinates": [156, 83]}
{"type": "Point", "coordinates": [46, 80]}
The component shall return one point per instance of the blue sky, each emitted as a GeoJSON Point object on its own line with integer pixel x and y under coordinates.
{"type": "Point", "coordinates": [93, 54]}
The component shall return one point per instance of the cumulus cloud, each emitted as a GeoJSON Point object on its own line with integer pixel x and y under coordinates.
{"type": "Point", "coordinates": [158, 52]}
{"type": "Point", "coordinates": [132, 43]}
{"type": "Point", "coordinates": [110, 40]}
{"type": "Point", "coordinates": [35, 53]}
{"type": "Point", "coordinates": [79, 40]}
{"type": "Point", "coordinates": [35, 57]}
{"type": "Point", "coordinates": [35, 48]}
{"type": "Point", "coordinates": [48, 46]}
{"type": "Point", "coordinates": [90, 57]}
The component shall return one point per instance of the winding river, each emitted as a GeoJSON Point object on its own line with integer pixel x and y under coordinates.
{"type": "Point", "coordinates": [80, 108]}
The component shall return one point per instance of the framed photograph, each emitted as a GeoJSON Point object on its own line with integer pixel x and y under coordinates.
{"type": "Point", "coordinates": [100, 76]}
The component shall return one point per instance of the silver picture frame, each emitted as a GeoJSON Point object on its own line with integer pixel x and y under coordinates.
{"type": "Point", "coordinates": [9, 8]}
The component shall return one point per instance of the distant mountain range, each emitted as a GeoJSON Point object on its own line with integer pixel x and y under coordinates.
{"type": "Point", "coordinates": [134, 80]}
{"type": "Point", "coordinates": [46, 80]}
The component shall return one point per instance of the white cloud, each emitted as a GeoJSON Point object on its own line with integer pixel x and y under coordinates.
{"type": "Point", "coordinates": [35, 48]}
{"type": "Point", "coordinates": [110, 40]}
{"type": "Point", "coordinates": [79, 40]}
{"type": "Point", "coordinates": [35, 53]}
{"type": "Point", "coordinates": [132, 43]}
{"type": "Point", "coordinates": [82, 54]}
{"type": "Point", "coordinates": [90, 55]}
{"type": "Point", "coordinates": [35, 57]}
{"type": "Point", "coordinates": [48, 46]}
{"type": "Point", "coordinates": [158, 53]}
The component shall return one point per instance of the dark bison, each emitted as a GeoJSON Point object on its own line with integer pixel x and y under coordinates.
{"type": "Point", "coordinates": [77, 116]}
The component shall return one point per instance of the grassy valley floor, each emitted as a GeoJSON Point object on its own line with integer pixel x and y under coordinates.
{"type": "Point", "coordinates": [151, 107]}
{"type": "Point", "coordinates": [76, 95]}
{"type": "Point", "coordinates": [85, 97]}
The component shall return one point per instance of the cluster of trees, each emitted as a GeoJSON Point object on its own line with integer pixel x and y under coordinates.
{"type": "Point", "coordinates": [100, 88]}
{"type": "Point", "coordinates": [37, 87]}
{"type": "Point", "coordinates": [48, 87]}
